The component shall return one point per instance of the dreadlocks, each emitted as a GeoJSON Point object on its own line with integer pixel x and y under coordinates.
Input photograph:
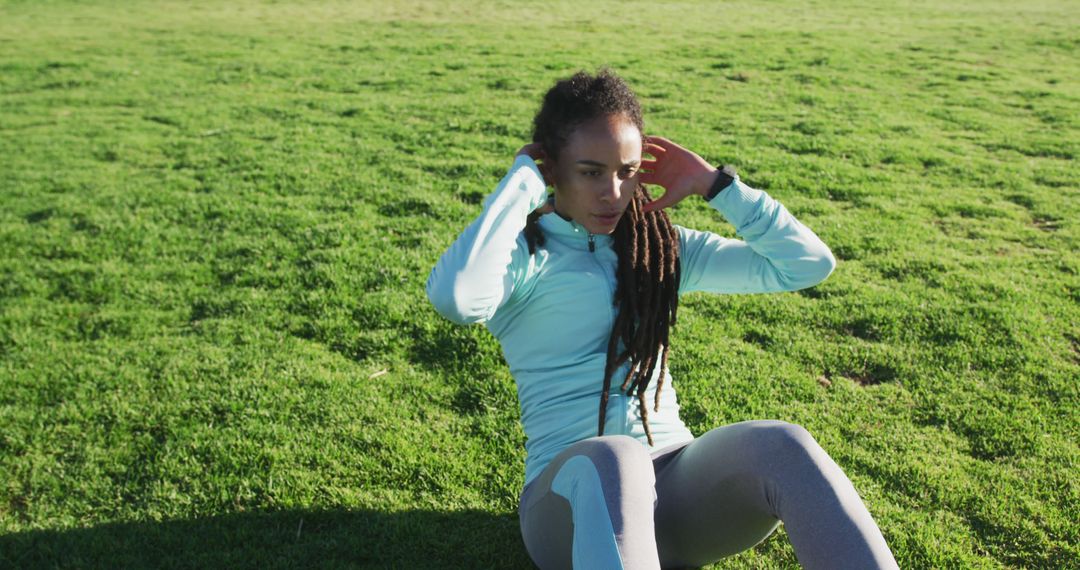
{"type": "Point", "coordinates": [646, 243]}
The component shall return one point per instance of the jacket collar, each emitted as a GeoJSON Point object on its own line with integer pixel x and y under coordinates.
{"type": "Point", "coordinates": [572, 232]}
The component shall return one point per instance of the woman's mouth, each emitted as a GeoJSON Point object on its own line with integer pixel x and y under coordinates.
{"type": "Point", "coordinates": [608, 218]}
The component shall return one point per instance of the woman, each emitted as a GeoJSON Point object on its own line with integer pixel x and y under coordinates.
{"type": "Point", "coordinates": [582, 288]}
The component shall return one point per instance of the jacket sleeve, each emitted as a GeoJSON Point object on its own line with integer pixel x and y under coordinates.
{"type": "Point", "coordinates": [776, 252]}
{"type": "Point", "coordinates": [479, 272]}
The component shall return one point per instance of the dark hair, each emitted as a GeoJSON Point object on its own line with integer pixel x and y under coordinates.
{"type": "Point", "coordinates": [647, 244]}
{"type": "Point", "coordinates": [578, 100]}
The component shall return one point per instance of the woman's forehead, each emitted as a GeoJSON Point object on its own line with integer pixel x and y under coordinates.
{"type": "Point", "coordinates": [606, 140]}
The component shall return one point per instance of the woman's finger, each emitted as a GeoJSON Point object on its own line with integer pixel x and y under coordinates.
{"type": "Point", "coordinates": [649, 164]}
{"type": "Point", "coordinates": [654, 149]}
{"type": "Point", "coordinates": [534, 150]}
{"type": "Point", "coordinates": [661, 141]}
{"type": "Point", "coordinates": [660, 203]}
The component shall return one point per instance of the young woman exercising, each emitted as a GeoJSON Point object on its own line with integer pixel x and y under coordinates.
{"type": "Point", "coordinates": [581, 288]}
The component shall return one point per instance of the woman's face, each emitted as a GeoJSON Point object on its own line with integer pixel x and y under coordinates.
{"type": "Point", "coordinates": [597, 173]}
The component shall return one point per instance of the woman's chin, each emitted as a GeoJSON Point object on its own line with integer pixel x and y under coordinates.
{"type": "Point", "coordinates": [602, 224]}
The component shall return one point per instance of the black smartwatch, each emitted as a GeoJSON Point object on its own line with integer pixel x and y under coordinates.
{"type": "Point", "coordinates": [724, 177]}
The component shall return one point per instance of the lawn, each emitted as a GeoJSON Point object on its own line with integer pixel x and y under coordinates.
{"type": "Point", "coordinates": [217, 219]}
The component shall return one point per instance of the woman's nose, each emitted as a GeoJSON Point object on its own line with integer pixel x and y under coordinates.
{"type": "Point", "coordinates": [612, 190]}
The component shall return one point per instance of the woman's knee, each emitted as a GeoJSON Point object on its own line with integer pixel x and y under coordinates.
{"type": "Point", "coordinates": [622, 463]}
{"type": "Point", "coordinates": [784, 436]}
{"type": "Point", "coordinates": [617, 452]}
{"type": "Point", "coordinates": [762, 442]}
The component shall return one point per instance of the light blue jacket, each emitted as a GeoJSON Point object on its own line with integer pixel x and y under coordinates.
{"type": "Point", "coordinates": [553, 312]}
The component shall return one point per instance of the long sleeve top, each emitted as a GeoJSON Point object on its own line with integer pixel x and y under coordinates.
{"type": "Point", "coordinates": [553, 311]}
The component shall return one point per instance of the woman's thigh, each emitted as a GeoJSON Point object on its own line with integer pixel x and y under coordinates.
{"type": "Point", "coordinates": [592, 505]}
{"type": "Point", "coordinates": [712, 501]}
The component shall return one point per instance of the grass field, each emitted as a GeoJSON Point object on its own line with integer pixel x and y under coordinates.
{"type": "Point", "coordinates": [216, 221]}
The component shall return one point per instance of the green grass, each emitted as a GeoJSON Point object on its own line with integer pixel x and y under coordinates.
{"type": "Point", "coordinates": [217, 221]}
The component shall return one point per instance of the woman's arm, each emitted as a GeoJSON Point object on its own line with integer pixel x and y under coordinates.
{"type": "Point", "coordinates": [478, 273]}
{"type": "Point", "coordinates": [776, 253]}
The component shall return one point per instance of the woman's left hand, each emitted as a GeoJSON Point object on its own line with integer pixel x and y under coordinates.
{"type": "Point", "coordinates": [679, 170]}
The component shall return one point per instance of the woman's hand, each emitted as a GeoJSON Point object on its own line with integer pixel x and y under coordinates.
{"type": "Point", "coordinates": [536, 152]}
{"type": "Point", "coordinates": [679, 170]}
{"type": "Point", "coordinates": [532, 150]}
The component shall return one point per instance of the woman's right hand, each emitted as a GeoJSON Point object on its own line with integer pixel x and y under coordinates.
{"type": "Point", "coordinates": [536, 152]}
{"type": "Point", "coordinates": [532, 150]}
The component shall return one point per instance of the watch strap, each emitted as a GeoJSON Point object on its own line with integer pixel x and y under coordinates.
{"type": "Point", "coordinates": [725, 176]}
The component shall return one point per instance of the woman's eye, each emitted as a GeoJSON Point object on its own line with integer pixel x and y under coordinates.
{"type": "Point", "coordinates": [591, 173]}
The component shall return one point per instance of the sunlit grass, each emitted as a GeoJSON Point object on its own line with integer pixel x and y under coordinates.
{"type": "Point", "coordinates": [217, 220]}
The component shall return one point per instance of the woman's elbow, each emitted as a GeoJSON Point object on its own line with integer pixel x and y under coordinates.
{"type": "Point", "coordinates": [819, 268]}
{"type": "Point", "coordinates": [812, 270]}
{"type": "Point", "coordinates": [827, 264]}
{"type": "Point", "coordinates": [449, 304]}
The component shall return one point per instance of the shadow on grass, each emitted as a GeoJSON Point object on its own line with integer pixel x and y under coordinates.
{"type": "Point", "coordinates": [280, 539]}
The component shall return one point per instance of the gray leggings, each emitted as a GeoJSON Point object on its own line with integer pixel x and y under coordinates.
{"type": "Point", "coordinates": [605, 502]}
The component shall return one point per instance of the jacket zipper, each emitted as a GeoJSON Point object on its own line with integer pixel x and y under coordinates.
{"type": "Point", "coordinates": [611, 323]}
